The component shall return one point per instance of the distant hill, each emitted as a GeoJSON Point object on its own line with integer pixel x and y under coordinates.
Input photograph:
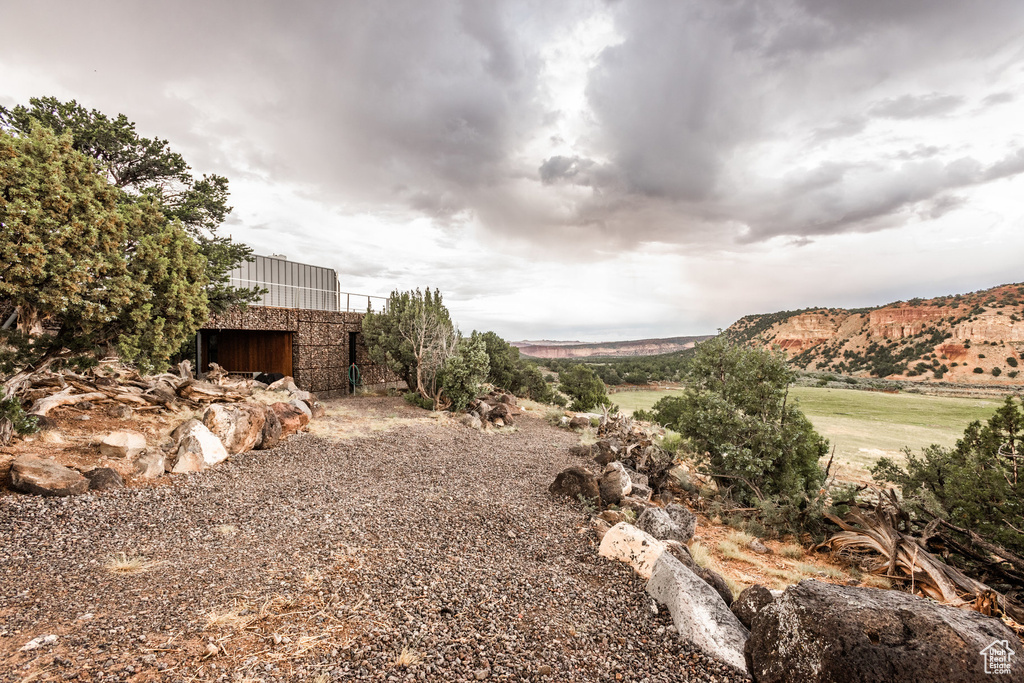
{"type": "Point", "coordinates": [639, 347]}
{"type": "Point", "coordinates": [974, 338]}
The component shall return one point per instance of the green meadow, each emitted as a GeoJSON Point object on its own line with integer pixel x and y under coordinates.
{"type": "Point", "coordinates": [866, 425]}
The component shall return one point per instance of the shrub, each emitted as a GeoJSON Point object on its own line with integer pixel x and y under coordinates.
{"type": "Point", "coordinates": [415, 399]}
{"type": "Point", "coordinates": [1011, 361]}
{"type": "Point", "coordinates": [752, 439]}
{"type": "Point", "coordinates": [996, 372]}
{"type": "Point", "coordinates": [461, 375]}
{"type": "Point", "coordinates": [585, 388]}
{"type": "Point", "coordinates": [979, 371]}
{"type": "Point", "coordinates": [973, 484]}
{"type": "Point", "coordinates": [13, 418]}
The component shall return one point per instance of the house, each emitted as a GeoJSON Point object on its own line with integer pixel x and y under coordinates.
{"type": "Point", "coordinates": [303, 326]}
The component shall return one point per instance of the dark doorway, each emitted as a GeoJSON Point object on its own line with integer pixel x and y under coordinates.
{"type": "Point", "coordinates": [247, 351]}
{"type": "Point", "coordinates": [353, 370]}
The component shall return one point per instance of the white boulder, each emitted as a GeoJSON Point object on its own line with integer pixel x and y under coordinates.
{"type": "Point", "coordinates": [196, 439]}
{"type": "Point", "coordinates": [699, 614]}
{"type": "Point", "coordinates": [625, 543]}
{"type": "Point", "coordinates": [123, 444]}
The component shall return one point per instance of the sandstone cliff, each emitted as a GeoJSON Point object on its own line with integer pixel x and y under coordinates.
{"type": "Point", "coordinates": [969, 338]}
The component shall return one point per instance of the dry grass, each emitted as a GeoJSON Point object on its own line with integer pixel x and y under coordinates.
{"type": "Point", "coordinates": [819, 570]}
{"type": "Point", "coordinates": [122, 563]}
{"type": "Point", "coordinates": [228, 619]}
{"type": "Point", "coordinates": [731, 551]}
{"type": "Point", "coordinates": [226, 529]}
{"type": "Point", "coordinates": [740, 538]}
{"type": "Point", "coordinates": [700, 554]}
{"type": "Point", "coordinates": [407, 657]}
{"type": "Point", "coordinates": [792, 551]}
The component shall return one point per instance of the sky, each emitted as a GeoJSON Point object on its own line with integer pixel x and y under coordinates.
{"type": "Point", "coordinates": [580, 169]}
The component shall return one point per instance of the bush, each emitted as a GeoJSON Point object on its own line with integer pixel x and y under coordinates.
{"type": "Point", "coordinates": [503, 361]}
{"type": "Point", "coordinates": [752, 439]}
{"type": "Point", "coordinates": [1011, 361]}
{"type": "Point", "coordinates": [415, 399]}
{"type": "Point", "coordinates": [973, 484]}
{"type": "Point", "coordinates": [13, 418]}
{"type": "Point", "coordinates": [584, 387]}
{"type": "Point", "coordinates": [996, 372]}
{"type": "Point", "coordinates": [978, 371]}
{"type": "Point", "coordinates": [462, 373]}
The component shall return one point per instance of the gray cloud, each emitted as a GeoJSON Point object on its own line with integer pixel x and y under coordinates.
{"type": "Point", "coordinates": [916, 106]}
{"type": "Point", "coordinates": [431, 108]}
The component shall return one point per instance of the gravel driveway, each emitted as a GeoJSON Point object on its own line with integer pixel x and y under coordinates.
{"type": "Point", "coordinates": [428, 552]}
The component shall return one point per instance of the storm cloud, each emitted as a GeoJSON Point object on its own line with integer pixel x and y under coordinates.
{"type": "Point", "coordinates": [570, 132]}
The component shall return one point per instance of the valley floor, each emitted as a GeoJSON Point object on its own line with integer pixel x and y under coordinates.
{"type": "Point", "coordinates": [428, 551]}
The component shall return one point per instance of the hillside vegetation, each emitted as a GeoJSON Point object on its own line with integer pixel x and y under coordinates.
{"type": "Point", "coordinates": [974, 338]}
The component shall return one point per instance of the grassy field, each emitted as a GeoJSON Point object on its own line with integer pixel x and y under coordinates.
{"type": "Point", "coordinates": [864, 425]}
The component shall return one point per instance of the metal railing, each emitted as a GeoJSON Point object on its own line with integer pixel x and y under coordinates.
{"type": "Point", "coordinates": [311, 298]}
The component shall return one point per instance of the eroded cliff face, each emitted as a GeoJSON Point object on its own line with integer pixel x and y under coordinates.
{"type": "Point", "coordinates": [972, 338]}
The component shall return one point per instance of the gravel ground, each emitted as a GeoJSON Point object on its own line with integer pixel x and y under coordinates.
{"type": "Point", "coordinates": [428, 552]}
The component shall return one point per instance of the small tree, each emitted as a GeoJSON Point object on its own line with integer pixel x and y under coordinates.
{"type": "Point", "coordinates": [463, 373]}
{"type": "Point", "coordinates": [582, 384]}
{"type": "Point", "coordinates": [413, 337]}
{"type": "Point", "coordinates": [736, 417]}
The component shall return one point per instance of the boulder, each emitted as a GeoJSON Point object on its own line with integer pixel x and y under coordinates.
{"type": "Point", "coordinates": [579, 422]}
{"type": "Point", "coordinates": [186, 462]}
{"type": "Point", "coordinates": [120, 411]}
{"type": "Point", "coordinates": [484, 409]}
{"type": "Point", "coordinates": [684, 519]}
{"type": "Point", "coordinates": [291, 418]}
{"type": "Point", "coordinates": [507, 399]}
{"type": "Point", "coordinates": [758, 547]}
{"type": "Point", "coordinates": [304, 396]}
{"type": "Point", "coordinates": [271, 435]}
{"type": "Point", "coordinates": [123, 444]}
{"type": "Point", "coordinates": [749, 604]}
{"type": "Point", "coordinates": [284, 384]}
{"type": "Point", "coordinates": [580, 451]}
{"type": "Point", "coordinates": [33, 474]}
{"type": "Point", "coordinates": [498, 411]}
{"type": "Point", "coordinates": [614, 483]}
{"type": "Point", "coordinates": [658, 523]}
{"type": "Point", "coordinates": [613, 517]}
{"type": "Point", "coordinates": [104, 479]}
{"type": "Point", "coordinates": [471, 421]}
{"type": "Point", "coordinates": [708, 576]}
{"type": "Point", "coordinates": [576, 482]}
{"type": "Point", "coordinates": [818, 631]}
{"type": "Point", "coordinates": [150, 465]}
{"type": "Point", "coordinates": [640, 491]}
{"type": "Point", "coordinates": [268, 378]}
{"type": "Point", "coordinates": [635, 504]}
{"type": "Point", "coordinates": [239, 426]}
{"type": "Point", "coordinates": [698, 613]}
{"type": "Point", "coordinates": [301, 405]}
{"type": "Point", "coordinates": [625, 543]}
{"type": "Point", "coordinates": [195, 439]}
{"type": "Point", "coordinates": [316, 408]}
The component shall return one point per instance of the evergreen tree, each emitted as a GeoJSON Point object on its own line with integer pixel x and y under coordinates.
{"type": "Point", "coordinates": [146, 169]}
